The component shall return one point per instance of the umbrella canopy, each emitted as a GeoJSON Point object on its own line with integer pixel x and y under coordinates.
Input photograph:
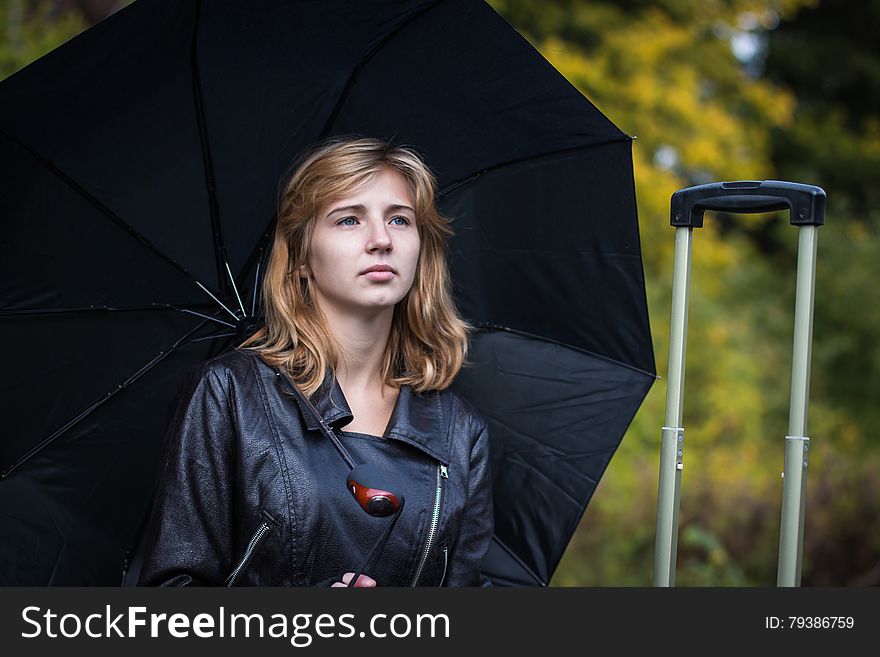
{"type": "Point", "coordinates": [141, 165]}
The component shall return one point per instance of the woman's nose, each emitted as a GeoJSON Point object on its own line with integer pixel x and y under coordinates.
{"type": "Point", "coordinates": [380, 238]}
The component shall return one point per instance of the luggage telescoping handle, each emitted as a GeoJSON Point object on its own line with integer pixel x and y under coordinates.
{"type": "Point", "coordinates": [806, 204]}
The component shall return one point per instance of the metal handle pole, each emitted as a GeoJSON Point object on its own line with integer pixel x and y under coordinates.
{"type": "Point", "coordinates": [794, 482]}
{"type": "Point", "coordinates": [672, 434]}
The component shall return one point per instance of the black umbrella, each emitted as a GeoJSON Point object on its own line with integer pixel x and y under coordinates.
{"type": "Point", "coordinates": [141, 162]}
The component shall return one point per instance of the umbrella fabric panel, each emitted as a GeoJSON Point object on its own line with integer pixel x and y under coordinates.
{"type": "Point", "coordinates": [129, 135]}
{"type": "Point", "coordinates": [58, 250]}
{"type": "Point", "coordinates": [556, 416]}
{"type": "Point", "coordinates": [504, 568]}
{"type": "Point", "coordinates": [71, 363]}
{"type": "Point", "coordinates": [550, 247]}
{"type": "Point", "coordinates": [70, 510]}
{"type": "Point", "coordinates": [40, 546]}
{"type": "Point", "coordinates": [437, 78]}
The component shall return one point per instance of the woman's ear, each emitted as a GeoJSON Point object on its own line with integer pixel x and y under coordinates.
{"type": "Point", "coordinates": [303, 271]}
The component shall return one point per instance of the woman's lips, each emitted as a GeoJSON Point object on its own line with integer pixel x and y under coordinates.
{"type": "Point", "coordinates": [379, 275]}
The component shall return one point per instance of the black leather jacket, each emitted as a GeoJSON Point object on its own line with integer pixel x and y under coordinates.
{"type": "Point", "coordinates": [251, 491]}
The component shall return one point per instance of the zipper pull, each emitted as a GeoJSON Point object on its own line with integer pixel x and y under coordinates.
{"type": "Point", "coordinates": [443, 472]}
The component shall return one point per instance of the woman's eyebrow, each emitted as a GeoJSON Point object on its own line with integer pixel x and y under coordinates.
{"type": "Point", "coordinates": [346, 207]}
{"type": "Point", "coordinates": [360, 208]}
{"type": "Point", "coordinates": [400, 207]}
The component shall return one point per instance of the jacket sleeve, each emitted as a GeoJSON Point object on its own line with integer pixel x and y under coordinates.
{"type": "Point", "coordinates": [477, 525]}
{"type": "Point", "coordinates": [188, 540]}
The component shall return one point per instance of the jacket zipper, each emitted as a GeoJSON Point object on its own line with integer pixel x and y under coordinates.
{"type": "Point", "coordinates": [438, 496]}
{"type": "Point", "coordinates": [255, 541]}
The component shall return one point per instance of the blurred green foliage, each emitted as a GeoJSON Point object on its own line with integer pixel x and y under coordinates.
{"type": "Point", "coordinates": [30, 29]}
{"type": "Point", "coordinates": [718, 90]}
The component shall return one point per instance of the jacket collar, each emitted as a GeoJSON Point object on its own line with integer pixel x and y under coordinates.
{"type": "Point", "coordinates": [418, 419]}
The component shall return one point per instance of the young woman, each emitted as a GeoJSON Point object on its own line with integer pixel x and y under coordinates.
{"type": "Point", "coordinates": [359, 314]}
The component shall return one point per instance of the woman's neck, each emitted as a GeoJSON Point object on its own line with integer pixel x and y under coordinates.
{"type": "Point", "coordinates": [362, 340]}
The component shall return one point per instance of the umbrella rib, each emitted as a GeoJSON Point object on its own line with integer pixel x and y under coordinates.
{"type": "Point", "coordinates": [207, 160]}
{"type": "Point", "coordinates": [257, 253]}
{"type": "Point", "coordinates": [256, 282]}
{"type": "Point", "coordinates": [78, 189]}
{"type": "Point", "coordinates": [15, 312]}
{"type": "Point", "coordinates": [507, 329]}
{"type": "Point", "coordinates": [354, 72]}
{"type": "Point", "coordinates": [198, 314]}
{"type": "Point", "coordinates": [162, 355]}
{"type": "Point", "coordinates": [234, 316]}
{"type": "Point", "coordinates": [235, 289]}
{"type": "Point", "coordinates": [211, 337]}
{"type": "Point", "coordinates": [473, 176]}
{"type": "Point", "coordinates": [154, 306]}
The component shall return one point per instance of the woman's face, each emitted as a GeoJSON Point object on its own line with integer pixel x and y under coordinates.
{"type": "Point", "coordinates": [374, 225]}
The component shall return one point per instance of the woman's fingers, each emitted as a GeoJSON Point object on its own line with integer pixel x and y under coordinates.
{"type": "Point", "coordinates": [363, 580]}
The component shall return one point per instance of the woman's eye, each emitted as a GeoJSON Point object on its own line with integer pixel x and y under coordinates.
{"type": "Point", "coordinates": [342, 221]}
{"type": "Point", "coordinates": [404, 219]}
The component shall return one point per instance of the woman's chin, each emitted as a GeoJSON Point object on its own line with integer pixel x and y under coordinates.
{"type": "Point", "coordinates": [379, 304]}
{"type": "Point", "coordinates": [373, 303]}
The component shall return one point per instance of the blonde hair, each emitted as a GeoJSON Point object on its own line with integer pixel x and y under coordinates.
{"type": "Point", "coordinates": [427, 345]}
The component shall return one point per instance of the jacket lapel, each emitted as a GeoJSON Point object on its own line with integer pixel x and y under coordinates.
{"type": "Point", "coordinates": [418, 419]}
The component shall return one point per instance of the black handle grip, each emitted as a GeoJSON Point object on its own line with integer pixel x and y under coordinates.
{"type": "Point", "coordinates": [806, 203]}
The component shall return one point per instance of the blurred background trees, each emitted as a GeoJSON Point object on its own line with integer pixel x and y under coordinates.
{"type": "Point", "coordinates": [714, 90]}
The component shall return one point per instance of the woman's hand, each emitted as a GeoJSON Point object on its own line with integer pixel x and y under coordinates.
{"type": "Point", "coordinates": [363, 580]}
